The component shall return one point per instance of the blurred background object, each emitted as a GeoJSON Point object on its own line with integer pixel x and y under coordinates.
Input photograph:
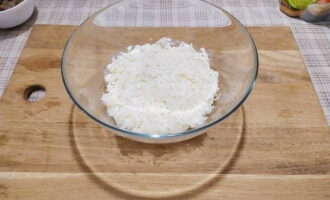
{"type": "Point", "coordinates": [300, 4]}
{"type": "Point", "coordinates": [287, 9]}
{"type": "Point", "coordinates": [15, 12]}
{"type": "Point", "coordinates": [316, 12]}
{"type": "Point", "coordinates": [6, 4]}
{"type": "Point", "coordinates": [308, 10]}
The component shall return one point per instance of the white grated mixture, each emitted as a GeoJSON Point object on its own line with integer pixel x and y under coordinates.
{"type": "Point", "coordinates": [165, 87]}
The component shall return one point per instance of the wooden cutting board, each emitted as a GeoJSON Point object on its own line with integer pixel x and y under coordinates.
{"type": "Point", "coordinates": [276, 146]}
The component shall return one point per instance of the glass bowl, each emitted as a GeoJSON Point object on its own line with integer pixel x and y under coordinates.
{"type": "Point", "coordinates": [110, 31]}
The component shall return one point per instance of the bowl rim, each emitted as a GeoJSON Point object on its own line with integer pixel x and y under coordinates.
{"type": "Point", "coordinates": [15, 7]}
{"type": "Point", "coordinates": [165, 135]}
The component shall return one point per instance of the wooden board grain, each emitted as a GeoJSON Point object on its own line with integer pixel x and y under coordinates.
{"type": "Point", "coordinates": [283, 151]}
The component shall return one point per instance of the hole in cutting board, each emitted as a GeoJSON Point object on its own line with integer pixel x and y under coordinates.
{"type": "Point", "coordinates": [34, 93]}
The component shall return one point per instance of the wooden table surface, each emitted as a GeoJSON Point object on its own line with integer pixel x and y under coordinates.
{"type": "Point", "coordinates": [276, 146]}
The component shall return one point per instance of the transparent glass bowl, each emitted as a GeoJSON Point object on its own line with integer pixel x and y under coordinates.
{"type": "Point", "coordinates": [91, 47]}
